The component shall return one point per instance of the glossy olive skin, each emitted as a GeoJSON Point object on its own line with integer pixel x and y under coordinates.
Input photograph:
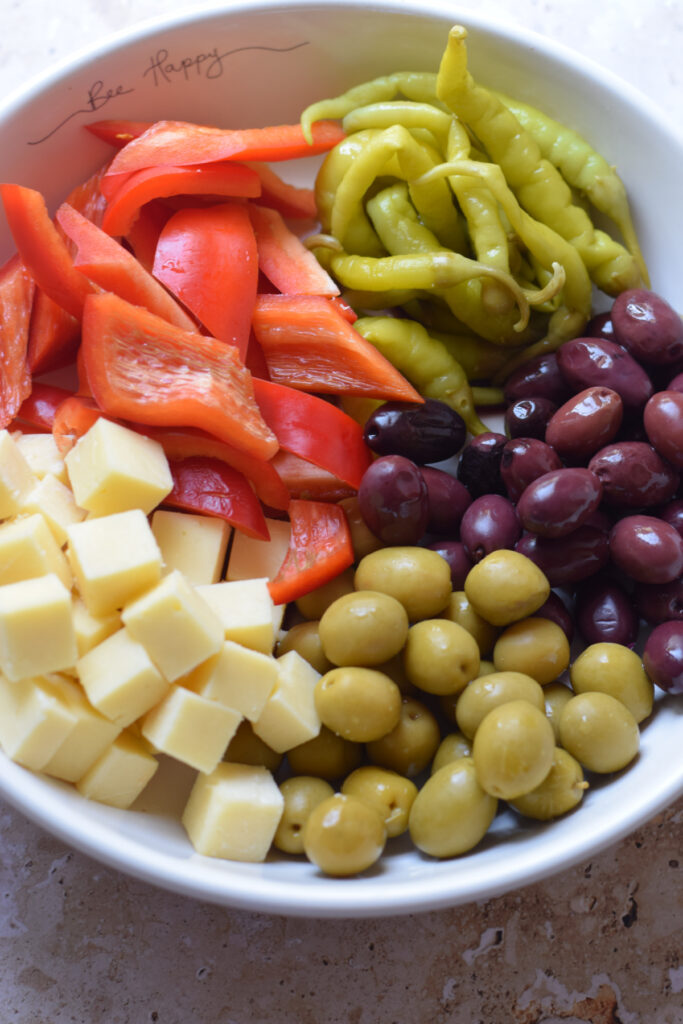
{"type": "Point", "coordinates": [556, 695]}
{"type": "Point", "coordinates": [424, 432]}
{"type": "Point", "coordinates": [600, 326]}
{"type": "Point", "coordinates": [479, 465]}
{"type": "Point", "coordinates": [448, 500]}
{"type": "Point", "coordinates": [535, 646]}
{"type": "Point", "coordinates": [452, 747]}
{"type": "Point", "coordinates": [561, 790]}
{"type": "Point", "coordinates": [524, 459]}
{"type": "Point", "coordinates": [529, 417]}
{"type": "Point", "coordinates": [365, 627]}
{"type": "Point", "coordinates": [539, 377]}
{"type": "Point", "coordinates": [314, 604]}
{"type": "Point", "coordinates": [556, 610]}
{"type": "Point", "coordinates": [393, 500]}
{"type": "Point", "coordinates": [440, 656]}
{"type": "Point", "coordinates": [599, 731]}
{"type": "Point", "coordinates": [487, 692]}
{"type": "Point", "coordinates": [560, 501]}
{"type": "Point", "coordinates": [585, 423]}
{"type": "Point", "coordinates": [659, 602]}
{"type": "Point", "coordinates": [301, 794]}
{"type": "Point", "coordinates": [455, 555]}
{"type": "Point", "coordinates": [461, 611]}
{"type": "Point", "coordinates": [570, 559]}
{"type": "Point", "coordinates": [513, 749]}
{"type": "Point", "coordinates": [663, 656]}
{"type": "Point", "coordinates": [326, 756]}
{"type": "Point", "coordinates": [389, 793]}
{"type": "Point", "coordinates": [663, 421]}
{"type": "Point", "coordinates": [506, 586]}
{"type": "Point", "coordinates": [417, 577]}
{"type": "Point", "coordinates": [587, 362]}
{"type": "Point", "coordinates": [304, 638]}
{"type": "Point", "coordinates": [410, 747]}
{"type": "Point", "coordinates": [647, 549]}
{"type": "Point", "coordinates": [672, 513]}
{"type": "Point", "coordinates": [634, 475]}
{"type": "Point", "coordinates": [646, 325]}
{"type": "Point", "coordinates": [343, 836]}
{"type": "Point", "coordinates": [451, 814]}
{"type": "Point", "coordinates": [358, 704]}
{"type": "Point", "coordinates": [491, 522]}
{"type": "Point", "coordinates": [614, 669]}
{"type": "Point", "coordinates": [604, 611]}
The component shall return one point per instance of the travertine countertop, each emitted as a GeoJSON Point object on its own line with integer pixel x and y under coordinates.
{"type": "Point", "coordinates": [601, 943]}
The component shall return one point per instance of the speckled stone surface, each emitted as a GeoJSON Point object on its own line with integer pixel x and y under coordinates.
{"type": "Point", "coordinates": [600, 943]}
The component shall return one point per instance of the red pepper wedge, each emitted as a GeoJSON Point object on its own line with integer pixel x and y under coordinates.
{"type": "Point", "coordinates": [142, 368]}
{"type": "Point", "coordinates": [293, 201]}
{"type": "Point", "coordinates": [309, 344]}
{"type": "Point", "coordinates": [72, 419]}
{"type": "Point", "coordinates": [304, 480]}
{"type": "Point", "coordinates": [118, 133]}
{"type": "Point", "coordinates": [16, 300]}
{"type": "Point", "coordinates": [315, 430]}
{"type": "Point", "coordinates": [111, 267]}
{"type": "Point", "coordinates": [319, 549]}
{"type": "Point", "coordinates": [227, 178]}
{"type": "Point", "coordinates": [39, 409]}
{"type": "Point", "coordinates": [212, 488]}
{"type": "Point", "coordinates": [144, 233]}
{"type": "Point", "coordinates": [54, 335]}
{"type": "Point", "coordinates": [207, 257]}
{"type": "Point", "coordinates": [283, 257]}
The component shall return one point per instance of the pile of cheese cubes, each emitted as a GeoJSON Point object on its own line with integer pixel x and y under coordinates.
{"type": "Point", "coordinates": [120, 641]}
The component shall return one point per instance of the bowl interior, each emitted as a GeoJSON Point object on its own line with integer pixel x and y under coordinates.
{"type": "Point", "coordinates": [254, 64]}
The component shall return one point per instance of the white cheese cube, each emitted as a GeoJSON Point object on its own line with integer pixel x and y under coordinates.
{"type": "Point", "coordinates": [42, 455]}
{"type": "Point", "coordinates": [114, 559]}
{"type": "Point", "coordinates": [91, 735]}
{"type": "Point", "coordinates": [55, 502]}
{"type": "Point", "coordinates": [251, 558]}
{"type": "Point", "coordinates": [16, 478]}
{"type": "Point", "coordinates": [33, 722]}
{"type": "Point", "coordinates": [36, 628]}
{"type": "Point", "coordinates": [237, 677]}
{"type": "Point", "coordinates": [194, 544]}
{"type": "Point", "coordinates": [113, 469]}
{"type": "Point", "coordinates": [234, 812]}
{"type": "Point", "coordinates": [175, 626]}
{"type": "Point", "coordinates": [191, 728]}
{"type": "Point", "coordinates": [289, 716]}
{"type": "Point", "coordinates": [28, 549]}
{"type": "Point", "coordinates": [90, 629]}
{"type": "Point", "coordinates": [120, 679]}
{"type": "Point", "coordinates": [120, 774]}
{"type": "Point", "coordinates": [246, 611]}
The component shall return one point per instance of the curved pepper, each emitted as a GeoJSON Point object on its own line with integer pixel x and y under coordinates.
{"type": "Point", "coordinates": [212, 488]}
{"type": "Point", "coordinates": [319, 549]}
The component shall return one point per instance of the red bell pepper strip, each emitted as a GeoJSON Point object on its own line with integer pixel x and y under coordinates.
{"type": "Point", "coordinates": [315, 430]}
{"type": "Point", "coordinates": [107, 264]}
{"type": "Point", "coordinates": [208, 259]}
{"type": "Point", "coordinates": [87, 197]}
{"type": "Point", "coordinates": [39, 409]}
{"type": "Point", "coordinates": [143, 369]}
{"type": "Point", "coordinates": [290, 200]}
{"type": "Point", "coordinates": [309, 344]}
{"type": "Point", "coordinates": [227, 178]}
{"type": "Point", "coordinates": [16, 300]}
{"type": "Point", "coordinates": [343, 307]}
{"type": "Point", "coordinates": [319, 549]}
{"type": "Point", "coordinates": [72, 419]}
{"type": "Point", "coordinates": [118, 133]}
{"type": "Point", "coordinates": [304, 480]}
{"type": "Point", "coordinates": [144, 233]}
{"type": "Point", "coordinates": [212, 488]}
{"type": "Point", "coordinates": [283, 257]}
{"type": "Point", "coordinates": [43, 250]}
{"type": "Point", "coordinates": [54, 335]}
{"type": "Point", "coordinates": [179, 143]}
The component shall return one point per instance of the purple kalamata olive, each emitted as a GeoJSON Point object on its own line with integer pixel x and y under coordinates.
{"type": "Point", "coordinates": [663, 421]}
{"type": "Point", "coordinates": [596, 362]}
{"type": "Point", "coordinates": [560, 501]}
{"type": "Point", "coordinates": [658, 602]}
{"type": "Point", "coordinates": [524, 460]}
{"type": "Point", "coordinates": [647, 549]}
{"type": "Point", "coordinates": [600, 326]}
{"type": "Point", "coordinates": [648, 327]}
{"type": "Point", "coordinates": [490, 523]}
{"type": "Point", "coordinates": [634, 475]}
{"type": "Point", "coordinates": [556, 610]}
{"type": "Point", "coordinates": [570, 559]}
{"type": "Point", "coordinates": [458, 560]}
{"type": "Point", "coordinates": [424, 432]}
{"type": "Point", "coordinates": [529, 417]}
{"type": "Point", "coordinates": [663, 656]}
{"type": "Point", "coordinates": [605, 613]}
{"type": "Point", "coordinates": [672, 513]}
{"type": "Point", "coordinates": [585, 423]}
{"type": "Point", "coordinates": [448, 499]}
{"type": "Point", "coordinates": [540, 377]}
{"type": "Point", "coordinates": [393, 500]}
{"type": "Point", "coordinates": [479, 465]}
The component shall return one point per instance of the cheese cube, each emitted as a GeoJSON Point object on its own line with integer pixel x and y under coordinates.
{"type": "Point", "coordinates": [194, 544]}
{"type": "Point", "coordinates": [87, 740]}
{"type": "Point", "coordinates": [289, 716]}
{"type": "Point", "coordinates": [56, 504]}
{"type": "Point", "coordinates": [36, 628]}
{"type": "Point", "coordinates": [234, 812]}
{"type": "Point", "coordinates": [237, 677]}
{"type": "Point", "coordinates": [120, 774]}
{"type": "Point", "coordinates": [175, 626]}
{"type": "Point", "coordinates": [16, 478]}
{"type": "Point", "coordinates": [191, 728]}
{"type": "Point", "coordinates": [114, 559]}
{"type": "Point", "coordinates": [120, 678]}
{"type": "Point", "coordinates": [42, 455]}
{"type": "Point", "coordinates": [34, 722]}
{"type": "Point", "coordinates": [28, 549]}
{"type": "Point", "coordinates": [251, 558]}
{"type": "Point", "coordinates": [113, 469]}
{"type": "Point", "coordinates": [246, 611]}
{"type": "Point", "coordinates": [90, 629]}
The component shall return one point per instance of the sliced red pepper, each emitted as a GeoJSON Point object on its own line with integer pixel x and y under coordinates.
{"type": "Point", "coordinates": [72, 419]}
{"type": "Point", "coordinates": [319, 549]}
{"type": "Point", "coordinates": [107, 264]}
{"type": "Point", "coordinates": [43, 250]}
{"type": "Point", "coordinates": [118, 133]}
{"type": "Point", "coordinates": [87, 197]}
{"type": "Point", "coordinates": [143, 369]}
{"type": "Point", "coordinates": [54, 335]}
{"type": "Point", "coordinates": [291, 201]}
{"type": "Point", "coordinates": [144, 233]}
{"type": "Point", "coordinates": [16, 300]}
{"type": "Point", "coordinates": [207, 257]}
{"type": "Point", "coordinates": [304, 480]}
{"type": "Point", "coordinates": [346, 311]}
{"type": "Point", "coordinates": [315, 430]}
{"type": "Point", "coordinates": [283, 257]}
{"type": "Point", "coordinates": [212, 488]}
{"type": "Point", "coordinates": [309, 344]}
{"type": "Point", "coordinates": [39, 409]}
{"type": "Point", "coordinates": [227, 178]}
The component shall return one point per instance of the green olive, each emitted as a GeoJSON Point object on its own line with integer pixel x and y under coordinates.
{"type": "Point", "coordinates": [395, 669]}
{"type": "Point", "coordinates": [326, 756]}
{"type": "Point", "coordinates": [417, 577]}
{"type": "Point", "coordinates": [506, 586]}
{"type": "Point", "coordinates": [363, 540]}
{"type": "Point", "coordinates": [247, 748]}
{"type": "Point", "coordinates": [452, 748]}
{"type": "Point", "coordinates": [451, 813]}
{"type": "Point", "coordinates": [389, 793]}
{"type": "Point", "coordinates": [410, 746]}
{"type": "Point", "coordinates": [487, 692]}
{"type": "Point", "coordinates": [301, 794]}
{"type": "Point", "coordinates": [555, 696]}
{"type": "Point", "coordinates": [535, 646]}
{"type": "Point", "coordinates": [513, 749]}
{"type": "Point", "coordinates": [344, 835]}
{"type": "Point", "coordinates": [304, 638]}
{"type": "Point", "coordinates": [617, 670]}
{"type": "Point", "coordinates": [359, 704]}
{"type": "Point", "coordinates": [599, 731]}
{"type": "Point", "coordinates": [365, 627]}
{"type": "Point", "coordinates": [461, 611]}
{"type": "Point", "coordinates": [561, 790]}
{"type": "Point", "coordinates": [440, 656]}
{"type": "Point", "coordinates": [314, 604]}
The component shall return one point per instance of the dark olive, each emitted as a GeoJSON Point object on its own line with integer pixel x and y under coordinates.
{"type": "Point", "coordinates": [529, 417]}
{"type": "Point", "coordinates": [633, 475]}
{"type": "Point", "coordinates": [393, 500]}
{"type": "Point", "coordinates": [540, 377]}
{"type": "Point", "coordinates": [648, 327]}
{"type": "Point", "coordinates": [672, 513]}
{"type": "Point", "coordinates": [585, 423]}
{"type": "Point", "coordinates": [423, 432]}
{"type": "Point", "coordinates": [556, 610]}
{"type": "Point", "coordinates": [658, 602]}
{"type": "Point", "coordinates": [663, 656]}
{"type": "Point", "coordinates": [479, 466]}
{"type": "Point", "coordinates": [647, 549]}
{"type": "Point", "coordinates": [448, 499]}
{"type": "Point", "coordinates": [588, 362]}
{"type": "Point", "coordinates": [459, 562]}
{"type": "Point", "coordinates": [663, 421]}
{"type": "Point", "coordinates": [524, 460]}
{"type": "Point", "coordinates": [570, 559]}
{"type": "Point", "coordinates": [560, 501]}
{"type": "Point", "coordinates": [600, 326]}
{"type": "Point", "coordinates": [604, 612]}
{"type": "Point", "coordinates": [490, 523]}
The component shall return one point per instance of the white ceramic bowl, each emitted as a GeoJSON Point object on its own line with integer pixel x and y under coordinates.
{"type": "Point", "coordinates": [255, 63]}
